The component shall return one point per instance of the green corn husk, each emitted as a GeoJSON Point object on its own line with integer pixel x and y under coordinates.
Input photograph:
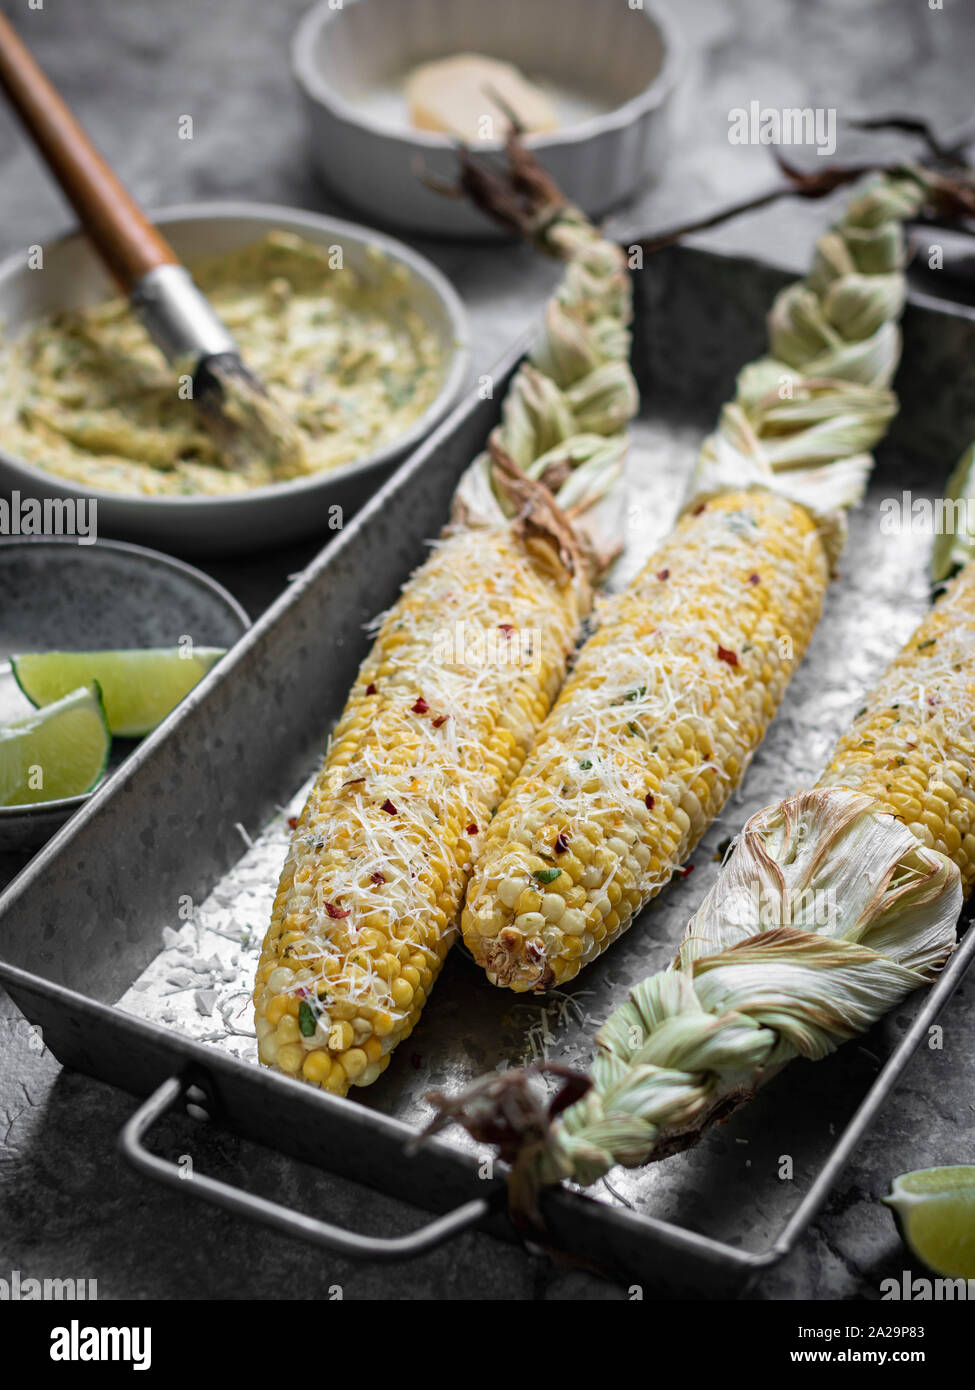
{"type": "Point", "coordinates": [806, 416]}
{"type": "Point", "coordinates": [749, 990]}
{"type": "Point", "coordinates": [563, 421]}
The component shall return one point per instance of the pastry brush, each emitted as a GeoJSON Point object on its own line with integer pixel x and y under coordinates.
{"type": "Point", "coordinates": [234, 404]}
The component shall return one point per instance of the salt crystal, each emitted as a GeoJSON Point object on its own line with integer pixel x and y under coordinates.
{"type": "Point", "coordinates": [204, 999]}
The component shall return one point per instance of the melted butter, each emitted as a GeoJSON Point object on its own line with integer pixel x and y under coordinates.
{"type": "Point", "coordinates": [85, 394]}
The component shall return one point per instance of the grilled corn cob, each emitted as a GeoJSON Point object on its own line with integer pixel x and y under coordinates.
{"type": "Point", "coordinates": [463, 670]}
{"type": "Point", "coordinates": [912, 749]}
{"type": "Point", "coordinates": [654, 728]}
{"type": "Point", "coordinates": [672, 694]}
{"type": "Point", "coordinates": [431, 737]}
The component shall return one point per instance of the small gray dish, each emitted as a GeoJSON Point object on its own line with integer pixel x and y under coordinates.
{"type": "Point", "coordinates": [59, 595]}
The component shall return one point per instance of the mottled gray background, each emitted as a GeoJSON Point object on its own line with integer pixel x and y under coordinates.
{"type": "Point", "coordinates": [68, 1205]}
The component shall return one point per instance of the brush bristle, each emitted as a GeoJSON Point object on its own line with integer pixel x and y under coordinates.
{"type": "Point", "coordinates": [247, 421]}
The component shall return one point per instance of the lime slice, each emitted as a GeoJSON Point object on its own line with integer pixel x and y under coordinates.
{"type": "Point", "coordinates": [139, 687]}
{"type": "Point", "coordinates": [935, 1210]}
{"type": "Point", "coordinates": [58, 751]}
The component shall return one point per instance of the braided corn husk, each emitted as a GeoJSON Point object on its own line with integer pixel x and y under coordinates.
{"type": "Point", "coordinates": [672, 694]}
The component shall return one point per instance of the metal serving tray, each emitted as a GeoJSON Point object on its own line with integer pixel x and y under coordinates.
{"type": "Point", "coordinates": [83, 925]}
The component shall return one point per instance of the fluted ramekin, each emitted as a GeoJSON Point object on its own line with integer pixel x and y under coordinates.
{"type": "Point", "coordinates": [625, 59]}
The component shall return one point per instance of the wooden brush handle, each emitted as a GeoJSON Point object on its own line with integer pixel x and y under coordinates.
{"type": "Point", "coordinates": [127, 241]}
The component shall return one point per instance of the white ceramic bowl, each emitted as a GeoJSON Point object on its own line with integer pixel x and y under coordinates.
{"type": "Point", "coordinates": [263, 517]}
{"type": "Point", "coordinates": [612, 69]}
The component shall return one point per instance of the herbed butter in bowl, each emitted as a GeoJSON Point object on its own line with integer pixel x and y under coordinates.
{"type": "Point", "coordinates": [362, 342]}
{"type": "Point", "coordinates": [390, 85]}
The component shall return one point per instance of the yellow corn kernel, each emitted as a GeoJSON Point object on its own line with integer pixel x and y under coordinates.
{"type": "Point", "coordinates": [402, 992]}
{"type": "Point", "coordinates": [290, 1058]}
{"type": "Point", "coordinates": [288, 1030]}
{"type": "Point", "coordinates": [340, 1036]}
{"type": "Point", "coordinates": [316, 1066]}
{"type": "Point", "coordinates": [354, 1062]}
{"type": "Point", "coordinates": [276, 1009]}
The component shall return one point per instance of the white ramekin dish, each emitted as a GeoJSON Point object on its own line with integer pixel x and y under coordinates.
{"type": "Point", "coordinates": [618, 66]}
{"type": "Point", "coordinates": [263, 517]}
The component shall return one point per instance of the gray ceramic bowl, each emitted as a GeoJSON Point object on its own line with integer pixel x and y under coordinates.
{"type": "Point", "coordinates": [266, 516]}
{"type": "Point", "coordinates": [613, 70]}
{"type": "Point", "coordinates": [57, 595]}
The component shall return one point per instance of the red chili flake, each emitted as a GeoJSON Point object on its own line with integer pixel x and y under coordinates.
{"type": "Point", "coordinates": [687, 871]}
{"type": "Point", "coordinates": [417, 1061]}
{"type": "Point", "coordinates": [648, 801]}
{"type": "Point", "coordinates": [506, 627]}
{"type": "Point", "coordinates": [371, 688]}
{"type": "Point", "coordinates": [421, 706]}
{"type": "Point", "coordinates": [336, 913]}
{"type": "Point", "coordinates": [293, 822]}
{"type": "Point", "coordinates": [472, 828]}
{"type": "Point", "coordinates": [663, 574]}
{"type": "Point", "coordinates": [561, 842]}
{"type": "Point", "coordinates": [389, 808]}
{"type": "Point", "coordinates": [725, 655]}
{"type": "Point", "coordinates": [378, 877]}
{"type": "Point", "coordinates": [440, 720]}
{"type": "Point", "coordinates": [699, 509]}
{"type": "Point", "coordinates": [754, 579]}
{"type": "Point", "coordinates": [933, 699]}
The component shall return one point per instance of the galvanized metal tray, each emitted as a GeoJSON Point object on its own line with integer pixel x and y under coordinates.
{"type": "Point", "coordinates": [194, 826]}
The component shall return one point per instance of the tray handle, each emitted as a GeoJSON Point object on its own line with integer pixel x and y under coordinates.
{"type": "Point", "coordinates": [178, 1091]}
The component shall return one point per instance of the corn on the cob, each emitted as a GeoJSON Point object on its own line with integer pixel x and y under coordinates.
{"type": "Point", "coordinates": [654, 728]}
{"type": "Point", "coordinates": [912, 749]}
{"type": "Point", "coordinates": [432, 735]}
{"type": "Point", "coordinates": [671, 696]}
{"type": "Point", "coordinates": [464, 669]}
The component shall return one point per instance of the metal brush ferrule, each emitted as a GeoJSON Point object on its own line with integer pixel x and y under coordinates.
{"type": "Point", "coordinates": [178, 317]}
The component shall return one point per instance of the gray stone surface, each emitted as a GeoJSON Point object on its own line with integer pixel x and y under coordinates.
{"type": "Point", "coordinates": [68, 1205]}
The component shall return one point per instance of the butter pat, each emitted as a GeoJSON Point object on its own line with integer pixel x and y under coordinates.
{"type": "Point", "coordinates": [456, 96]}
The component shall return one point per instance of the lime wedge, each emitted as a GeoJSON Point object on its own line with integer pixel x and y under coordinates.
{"type": "Point", "coordinates": [139, 687]}
{"type": "Point", "coordinates": [58, 751]}
{"type": "Point", "coordinates": [935, 1210]}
